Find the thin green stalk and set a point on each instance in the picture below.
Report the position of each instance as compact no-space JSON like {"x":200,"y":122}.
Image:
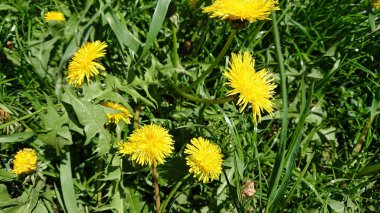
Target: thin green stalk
{"x":216,"y":62}
{"x":175,"y":56}
{"x":202,"y":100}
{"x":136,"y":118}
{"x":236,"y":154}
{"x":254,"y":139}
{"x":119,"y":186}
{"x":7,"y":80}
{"x":279,"y":163}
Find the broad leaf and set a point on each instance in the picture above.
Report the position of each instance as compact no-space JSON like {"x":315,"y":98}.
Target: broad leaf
{"x":93,"y":118}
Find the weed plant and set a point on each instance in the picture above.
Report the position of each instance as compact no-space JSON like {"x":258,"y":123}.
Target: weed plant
{"x":164,"y":63}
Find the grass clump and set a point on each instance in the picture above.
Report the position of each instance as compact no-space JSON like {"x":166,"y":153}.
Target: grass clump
{"x":308,"y":70}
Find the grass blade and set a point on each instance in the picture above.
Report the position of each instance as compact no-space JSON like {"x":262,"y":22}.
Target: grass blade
{"x":290,"y":156}
{"x":122,"y":33}
{"x":157,"y":21}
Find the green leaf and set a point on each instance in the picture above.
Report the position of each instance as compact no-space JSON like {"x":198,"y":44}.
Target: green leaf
{"x":369,"y":169}
{"x":7,"y":176}
{"x":8,"y":8}
{"x":117,"y":203}
{"x":18,"y":137}
{"x":40,"y":208}
{"x":112,"y":175}
{"x":337,"y":206}
{"x":58,"y":133}
{"x":16,"y":209}
{"x":93,"y":118}
{"x":67,"y":184}
{"x":133,"y":199}
{"x":34,"y":195}
{"x":69,"y":51}
{"x":157,"y":21}
{"x":173,"y":170}
{"x":145,"y":86}
{"x":39,"y":57}
{"x":95,"y":91}
{"x":4,"y":196}
{"x":129,"y":89}
{"x":124,"y":36}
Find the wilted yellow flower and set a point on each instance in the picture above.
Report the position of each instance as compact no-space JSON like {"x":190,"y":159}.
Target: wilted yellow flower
{"x":253,"y":87}
{"x":124,"y":113}
{"x":85,"y":64}
{"x":250,"y":10}
{"x":54,"y":16}
{"x":149,"y":145}
{"x":376,"y":4}
{"x":25,"y":161}
{"x":204,"y":159}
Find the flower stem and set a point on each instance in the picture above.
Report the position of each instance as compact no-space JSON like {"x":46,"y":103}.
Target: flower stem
{"x":156,"y":189}
{"x":175,"y":56}
{"x":202,"y":100}
{"x":136,"y":118}
{"x":216,"y":62}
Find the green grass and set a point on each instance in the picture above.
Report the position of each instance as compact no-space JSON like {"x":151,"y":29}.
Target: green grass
{"x":318,"y":153}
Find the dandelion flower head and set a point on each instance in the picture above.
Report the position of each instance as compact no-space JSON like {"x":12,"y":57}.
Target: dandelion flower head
{"x":204,"y":159}
{"x":54,"y":16}
{"x":253,"y":87}
{"x":25,"y":161}
{"x":123,"y":114}
{"x":85,"y":64}
{"x":249,"y":10}
{"x":149,"y":145}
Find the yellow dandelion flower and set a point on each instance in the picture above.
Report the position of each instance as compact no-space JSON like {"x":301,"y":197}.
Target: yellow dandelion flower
{"x":124,"y":113}
{"x":84,"y":63}
{"x":376,"y":4}
{"x":25,"y":161}
{"x":149,"y":145}
{"x":54,"y":16}
{"x":249,"y":10}
{"x":204,"y":159}
{"x":253,"y":87}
